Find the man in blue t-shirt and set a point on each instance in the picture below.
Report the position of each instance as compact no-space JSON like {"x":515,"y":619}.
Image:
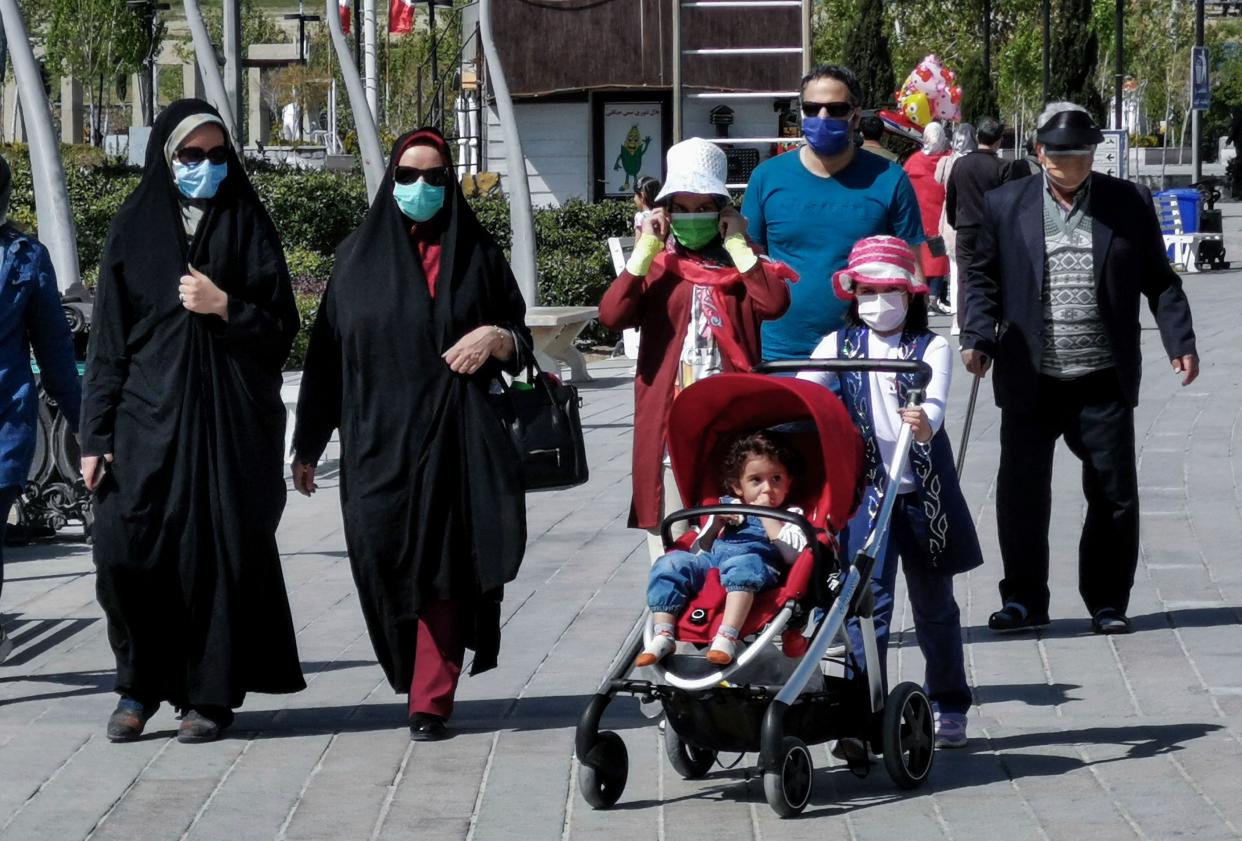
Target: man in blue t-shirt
{"x":808,"y":208}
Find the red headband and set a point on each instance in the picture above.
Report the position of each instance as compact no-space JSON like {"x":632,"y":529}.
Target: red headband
{"x":426,"y":137}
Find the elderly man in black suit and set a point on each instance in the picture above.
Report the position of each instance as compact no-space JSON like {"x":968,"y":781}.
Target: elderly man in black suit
{"x":1053,"y":296}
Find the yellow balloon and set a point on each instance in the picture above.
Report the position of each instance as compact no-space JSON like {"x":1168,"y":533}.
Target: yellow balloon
{"x":917,"y":109}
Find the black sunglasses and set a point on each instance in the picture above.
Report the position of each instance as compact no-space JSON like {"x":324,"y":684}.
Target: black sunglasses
{"x":436,"y":176}
{"x":836,"y":110}
{"x":190,"y":155}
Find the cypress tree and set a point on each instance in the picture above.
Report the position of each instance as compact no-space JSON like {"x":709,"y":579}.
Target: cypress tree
{"x":867,"y":54}
{"x":1075,"y":52}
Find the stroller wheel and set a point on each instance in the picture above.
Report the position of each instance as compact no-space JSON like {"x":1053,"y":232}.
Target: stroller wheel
{"x":603,"y":771}
{"x":687,"y":760}
{"x":909,"y":735}
{"x":788,"y":786}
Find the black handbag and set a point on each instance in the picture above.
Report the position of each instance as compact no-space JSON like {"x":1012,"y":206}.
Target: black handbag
{"x":541,"y":417}
{"x":937,"y":247}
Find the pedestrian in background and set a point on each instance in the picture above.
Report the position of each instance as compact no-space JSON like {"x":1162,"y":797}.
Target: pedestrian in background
{"x":963,"y":142}
{"x":31,"y":319}
{"x":871,"y":128}
{"x":183,"y":435}
{"x":921,"y":168}
{"x":1053,"y":293}
{"x":973,"y":176}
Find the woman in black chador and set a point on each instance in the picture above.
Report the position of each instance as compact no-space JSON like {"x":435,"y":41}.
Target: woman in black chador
{"x":420,"y":316}
{"x":182,"y":431}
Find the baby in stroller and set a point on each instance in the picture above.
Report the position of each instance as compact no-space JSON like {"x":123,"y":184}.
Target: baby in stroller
{"x":748,"y":551}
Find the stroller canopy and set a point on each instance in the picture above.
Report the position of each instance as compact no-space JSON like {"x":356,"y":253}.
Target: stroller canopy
{"x":714,"y":410}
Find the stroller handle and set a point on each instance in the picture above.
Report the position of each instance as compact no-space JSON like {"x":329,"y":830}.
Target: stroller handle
{"x":921,"y":370}
{"x":666,"y":527}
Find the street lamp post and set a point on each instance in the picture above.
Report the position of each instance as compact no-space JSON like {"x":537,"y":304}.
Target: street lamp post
{"x":1047,"y":27}
{"x":1119,"y":73}
{"x":149,"y":11}
{"x":1196,"y":152}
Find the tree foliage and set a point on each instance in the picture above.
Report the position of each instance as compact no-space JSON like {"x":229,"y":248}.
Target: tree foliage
{"x":1075,"y":55}
{"x":866,"y":52}
{"x":95,"y":41}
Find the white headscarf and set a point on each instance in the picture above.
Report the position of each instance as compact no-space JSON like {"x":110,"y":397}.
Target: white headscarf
{"x":935,"y":141}
{"x":192,"y":210}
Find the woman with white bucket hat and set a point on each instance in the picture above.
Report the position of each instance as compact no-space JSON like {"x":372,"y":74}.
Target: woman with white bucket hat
{"x":698,"y":291}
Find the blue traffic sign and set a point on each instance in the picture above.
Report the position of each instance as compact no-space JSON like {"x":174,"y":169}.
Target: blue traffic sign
{"x":1200,"y":79}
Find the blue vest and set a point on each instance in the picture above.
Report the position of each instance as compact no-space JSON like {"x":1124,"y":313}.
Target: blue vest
{"x":953,"y":545}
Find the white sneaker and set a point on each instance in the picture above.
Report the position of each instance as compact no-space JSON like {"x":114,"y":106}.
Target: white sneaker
{"x":722,"y":651}
{"x":950,"y":730}
{"x":6,"y":645}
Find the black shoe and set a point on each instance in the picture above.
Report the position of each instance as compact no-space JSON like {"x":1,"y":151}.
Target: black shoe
{"x":203,"y":725}
{"x":128,"y":719}
{"x":1108,"y":620}
{"x":1014,"y":617}
{"x":425,"y":727}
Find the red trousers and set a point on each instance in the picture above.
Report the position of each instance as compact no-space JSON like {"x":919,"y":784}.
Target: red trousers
{"x":438,"y":656}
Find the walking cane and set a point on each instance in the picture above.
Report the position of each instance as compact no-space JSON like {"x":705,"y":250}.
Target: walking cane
{"x":970,"y":416}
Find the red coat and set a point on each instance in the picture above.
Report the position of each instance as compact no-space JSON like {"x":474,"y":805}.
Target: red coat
{"x":930,"y":193}
{"x":659,"y":305}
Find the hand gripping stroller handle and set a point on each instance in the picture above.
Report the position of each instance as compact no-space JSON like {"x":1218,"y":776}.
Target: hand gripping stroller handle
{"x":666,"y":527}
{"x":921,"y":370}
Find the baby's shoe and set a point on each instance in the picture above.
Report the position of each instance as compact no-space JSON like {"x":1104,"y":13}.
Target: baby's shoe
{"x":722,"y":650}
{"x":661,"y":646}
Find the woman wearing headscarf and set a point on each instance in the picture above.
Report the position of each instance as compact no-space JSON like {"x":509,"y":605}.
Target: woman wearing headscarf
{"x":419,"y":318}
{"x":921,"y":167}
{"x":964,"y":142}
{"x":182,"y":433}
{"x":30,"y":319}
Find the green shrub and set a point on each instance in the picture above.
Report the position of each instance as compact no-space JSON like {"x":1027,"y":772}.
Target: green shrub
{"x":315,"y":210}
{"x":308,"y":307}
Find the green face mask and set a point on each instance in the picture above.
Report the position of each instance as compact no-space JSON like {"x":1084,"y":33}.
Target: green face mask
{"x":695,"y":230}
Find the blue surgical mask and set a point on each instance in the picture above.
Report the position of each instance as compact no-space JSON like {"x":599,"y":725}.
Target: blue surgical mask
{"x":200,"y":180}
{"x":826,"y":135}
{"x":419,"y":201}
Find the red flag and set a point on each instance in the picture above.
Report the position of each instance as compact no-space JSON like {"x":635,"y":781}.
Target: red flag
{"x":400,"y":16}
{"x":342,"y":6}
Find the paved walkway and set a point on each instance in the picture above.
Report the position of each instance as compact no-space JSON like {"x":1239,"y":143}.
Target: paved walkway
{"x":1073,"y":735}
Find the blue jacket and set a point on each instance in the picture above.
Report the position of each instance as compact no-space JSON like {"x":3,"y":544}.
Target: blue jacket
{"x":30,"y":317}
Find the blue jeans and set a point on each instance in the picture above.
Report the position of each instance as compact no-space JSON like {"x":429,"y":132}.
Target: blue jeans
{"x":937,"y":621}
{"x":744,"y":555}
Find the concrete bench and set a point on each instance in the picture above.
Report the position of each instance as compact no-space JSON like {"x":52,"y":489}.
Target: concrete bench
{"x":554,"y":330}
{"x":1185,"y":247}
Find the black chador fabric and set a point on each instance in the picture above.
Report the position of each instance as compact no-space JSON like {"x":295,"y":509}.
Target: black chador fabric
{"x":185,"y":522}
{"x":430,"y":490}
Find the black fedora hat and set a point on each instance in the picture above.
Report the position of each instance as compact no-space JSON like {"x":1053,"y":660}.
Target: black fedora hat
{"x":1070,"y":128}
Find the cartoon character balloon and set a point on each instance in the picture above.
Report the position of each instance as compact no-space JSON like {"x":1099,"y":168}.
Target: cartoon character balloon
{"x":917,"y":108}
{"x":930,"y":91}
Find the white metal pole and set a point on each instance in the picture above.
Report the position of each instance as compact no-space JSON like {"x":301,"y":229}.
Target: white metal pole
{"x":370,"y":65}
{"x":56,"y":229}
{"x":521,"y":217}
{"x":231,"y":33}
{"x":368,"y":139}
{"x":209,"y":69}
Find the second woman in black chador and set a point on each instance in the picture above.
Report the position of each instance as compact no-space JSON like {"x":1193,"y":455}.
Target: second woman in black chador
{"x":182,"y":430}
{"x":420,"y":315}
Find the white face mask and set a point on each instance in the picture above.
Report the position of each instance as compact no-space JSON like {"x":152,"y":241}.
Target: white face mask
{"x":883,"y":312}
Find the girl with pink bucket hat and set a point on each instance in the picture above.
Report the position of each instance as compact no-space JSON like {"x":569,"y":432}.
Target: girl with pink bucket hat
{"x":932,"y":529}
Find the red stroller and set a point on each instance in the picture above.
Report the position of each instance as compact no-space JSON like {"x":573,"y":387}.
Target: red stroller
{"x":785,"y":689}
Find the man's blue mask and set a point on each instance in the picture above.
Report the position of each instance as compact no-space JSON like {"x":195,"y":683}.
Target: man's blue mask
{"x":200,"y":180}
{"x":827,"y":136}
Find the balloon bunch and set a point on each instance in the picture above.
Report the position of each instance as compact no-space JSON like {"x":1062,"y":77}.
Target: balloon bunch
{"x":930,"y":92}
